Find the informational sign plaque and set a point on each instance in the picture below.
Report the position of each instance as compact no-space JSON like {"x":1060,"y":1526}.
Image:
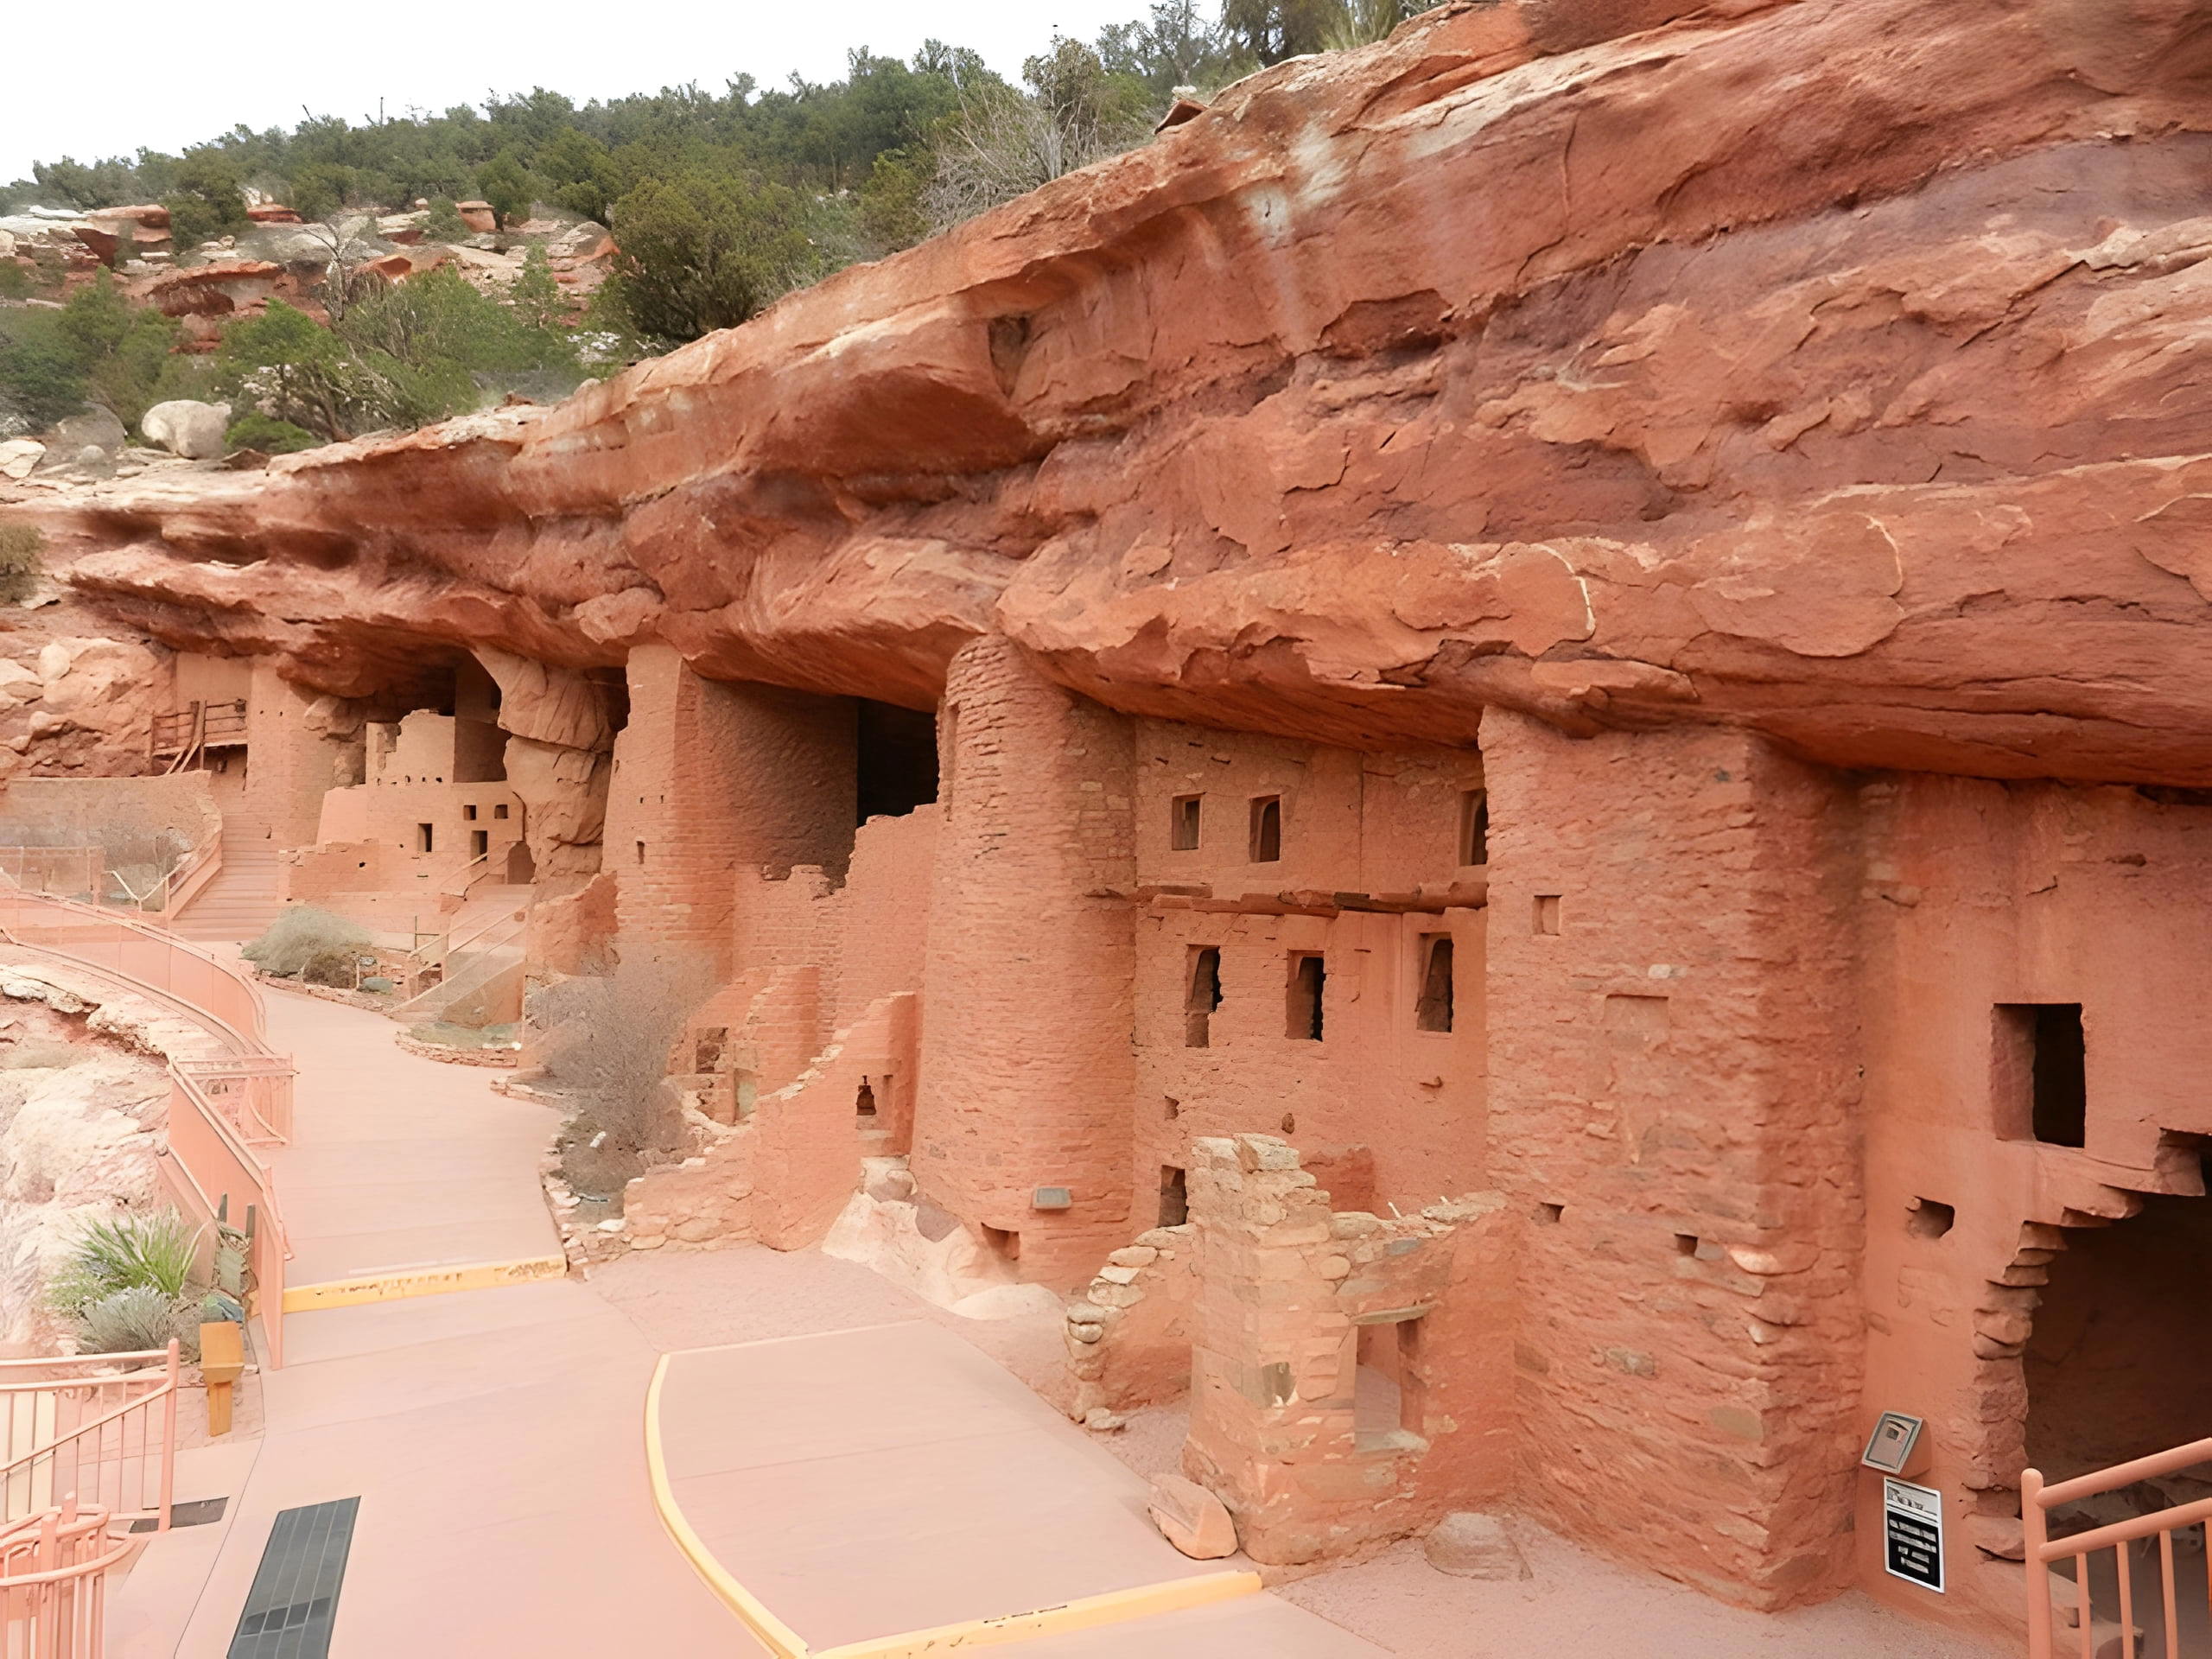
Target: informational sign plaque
{"x":1912,"y":1534}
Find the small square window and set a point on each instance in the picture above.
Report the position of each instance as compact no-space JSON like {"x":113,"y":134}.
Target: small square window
{"x":1546,"y":917}
{"x":1183,"y":823}
{"x":469,"y":811}
{"x":501,"y":810}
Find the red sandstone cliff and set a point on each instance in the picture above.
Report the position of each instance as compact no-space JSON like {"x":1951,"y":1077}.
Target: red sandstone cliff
{"x":1840,"y":368}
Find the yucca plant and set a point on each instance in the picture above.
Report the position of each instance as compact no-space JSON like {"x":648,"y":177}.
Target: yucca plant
{"x":149,"y":1252}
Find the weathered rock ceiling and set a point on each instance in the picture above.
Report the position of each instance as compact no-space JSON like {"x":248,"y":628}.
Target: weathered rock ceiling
{"x":1840,"y":368}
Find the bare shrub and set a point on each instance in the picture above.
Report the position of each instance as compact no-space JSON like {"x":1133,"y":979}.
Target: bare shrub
{"x":608,"y":1044}
{"x":305,"y":942}
{"x":20,"y":564}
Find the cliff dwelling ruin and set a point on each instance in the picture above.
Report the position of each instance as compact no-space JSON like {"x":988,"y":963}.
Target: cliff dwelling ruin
{"x":1500,"y":757}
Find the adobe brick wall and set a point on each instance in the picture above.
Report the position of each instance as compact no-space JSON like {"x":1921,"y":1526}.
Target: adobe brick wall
{"x":1979,"y":893}
{"x":1027,"y":1073}
{"x":1676,"y":1069}
{"x":295,"y":754}
{"x":713,"y":776}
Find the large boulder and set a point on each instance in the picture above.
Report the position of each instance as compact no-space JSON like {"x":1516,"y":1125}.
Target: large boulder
{"x":478,"y":216}
{"x":183,"y":427}
{"x":96,"y":429}
{"x":19,"y":455}
{"x":1468,"y":1545}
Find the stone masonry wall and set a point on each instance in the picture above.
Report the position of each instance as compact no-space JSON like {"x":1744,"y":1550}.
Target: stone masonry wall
{"x":711,"y":776}
{"x":1674,"y":1092}
{"x":1027,"y":1001}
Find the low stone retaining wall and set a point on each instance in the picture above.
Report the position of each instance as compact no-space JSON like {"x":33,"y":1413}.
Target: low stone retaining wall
{"x":451,"y":1056}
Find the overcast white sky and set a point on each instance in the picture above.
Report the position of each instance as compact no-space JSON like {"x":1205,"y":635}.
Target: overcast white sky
{"x":87,"y":81}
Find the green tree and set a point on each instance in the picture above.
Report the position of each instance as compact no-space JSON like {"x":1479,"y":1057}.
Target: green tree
{"x":298,"y":371}
{"x":207,"y":199}
{"x":503,"y":182}
{"x":445,"y":223}
{"x":99,"y":347}
{"x":699,"y":252}
{"x":536,"y":298}
{"x":584,"y":177}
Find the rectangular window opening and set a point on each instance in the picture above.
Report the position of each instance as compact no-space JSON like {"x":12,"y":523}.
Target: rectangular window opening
{"x":501,"y":810}
{"x":1201,"y":995}
{"x":425,"y":837}
{"x":1183,"y":823}
{"x":469,"y":812}
{"x":707,"y":1048}
{"x":1267,"y":829}
{"x":1302,"y":1011}
{"x":2042,"y":1080}
{"x":1550,"y":1215}
{"x":1546,"y":917}
{"x":864,"y":1100}
{"x":1474,"y":827}
{"x":479,"y":843}
{"x":1174,"y":1196}
{"x":1685,"y":1243}
{"x":641,"y":852}
{"x":1433,"y":1011}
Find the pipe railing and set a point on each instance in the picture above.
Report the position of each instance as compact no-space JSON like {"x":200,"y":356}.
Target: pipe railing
{"x":75,"y":1427}
{"x":54,"y":1568}
{"x":2043,"y":1552}
{"x":210,"y":1167}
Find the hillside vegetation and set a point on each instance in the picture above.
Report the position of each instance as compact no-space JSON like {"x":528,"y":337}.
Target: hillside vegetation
{"x":708,"y":205}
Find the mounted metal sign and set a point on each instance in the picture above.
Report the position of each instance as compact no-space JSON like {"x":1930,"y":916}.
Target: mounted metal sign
{"x":1912,"y":1534}
{"x":1895,"y":1447}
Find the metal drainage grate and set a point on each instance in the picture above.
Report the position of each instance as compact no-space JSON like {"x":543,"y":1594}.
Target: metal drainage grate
{"x":193,"y":1512}
{"x":290,"y":1611}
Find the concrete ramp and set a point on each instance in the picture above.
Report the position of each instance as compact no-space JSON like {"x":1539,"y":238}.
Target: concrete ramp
{"x":892,"y":1491}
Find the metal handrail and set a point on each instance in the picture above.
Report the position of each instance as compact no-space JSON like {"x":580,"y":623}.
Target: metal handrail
{"x":88,"y":1450}
{"x":57,"y":1608}
{"x":2038,"y":1500}
{"x":224,"y":1142}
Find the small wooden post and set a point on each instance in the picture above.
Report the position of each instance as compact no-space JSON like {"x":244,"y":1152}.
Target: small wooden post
{"x":222,"y":1362}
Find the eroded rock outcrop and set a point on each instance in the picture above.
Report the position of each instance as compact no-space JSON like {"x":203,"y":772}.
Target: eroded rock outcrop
{"x":1834,"y":368}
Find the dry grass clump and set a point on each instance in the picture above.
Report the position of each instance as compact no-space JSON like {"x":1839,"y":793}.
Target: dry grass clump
{"x":304,"y":943}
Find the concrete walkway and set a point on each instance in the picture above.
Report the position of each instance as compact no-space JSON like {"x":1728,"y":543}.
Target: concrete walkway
{"x":865,"y":1484}
{"x":397,"y":1163}
{"x":496,"y":1437}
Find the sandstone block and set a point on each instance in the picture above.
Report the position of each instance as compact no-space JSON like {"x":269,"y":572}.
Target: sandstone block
{"x":1468,"y":1545}
{"x":1191,"y":1518}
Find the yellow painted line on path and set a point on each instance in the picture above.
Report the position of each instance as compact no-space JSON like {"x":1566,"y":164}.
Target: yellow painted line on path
{"x":1088,"y":1612}
{"x":422,"y":1282}
{"x":781,"y":1639}
{"x":1115,"y":1607}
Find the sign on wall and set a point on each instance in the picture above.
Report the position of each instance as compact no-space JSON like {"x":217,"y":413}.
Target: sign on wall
{"x":1912,"y":1534}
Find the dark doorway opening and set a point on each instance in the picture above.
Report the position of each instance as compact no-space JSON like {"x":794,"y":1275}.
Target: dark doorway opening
{"x":2115,"y":1366}
{"x":1174,"y":1196}
{"x":1433,"y":1011}
{"x":897,"y":759}
{"x":1201,"y":995}
{"x":1302,"y":1012}
{"x":1267,"y":829}
{"x":2042,"y":1080}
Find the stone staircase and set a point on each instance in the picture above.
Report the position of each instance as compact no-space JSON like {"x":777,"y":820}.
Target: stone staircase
{"x":241,"y":901}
